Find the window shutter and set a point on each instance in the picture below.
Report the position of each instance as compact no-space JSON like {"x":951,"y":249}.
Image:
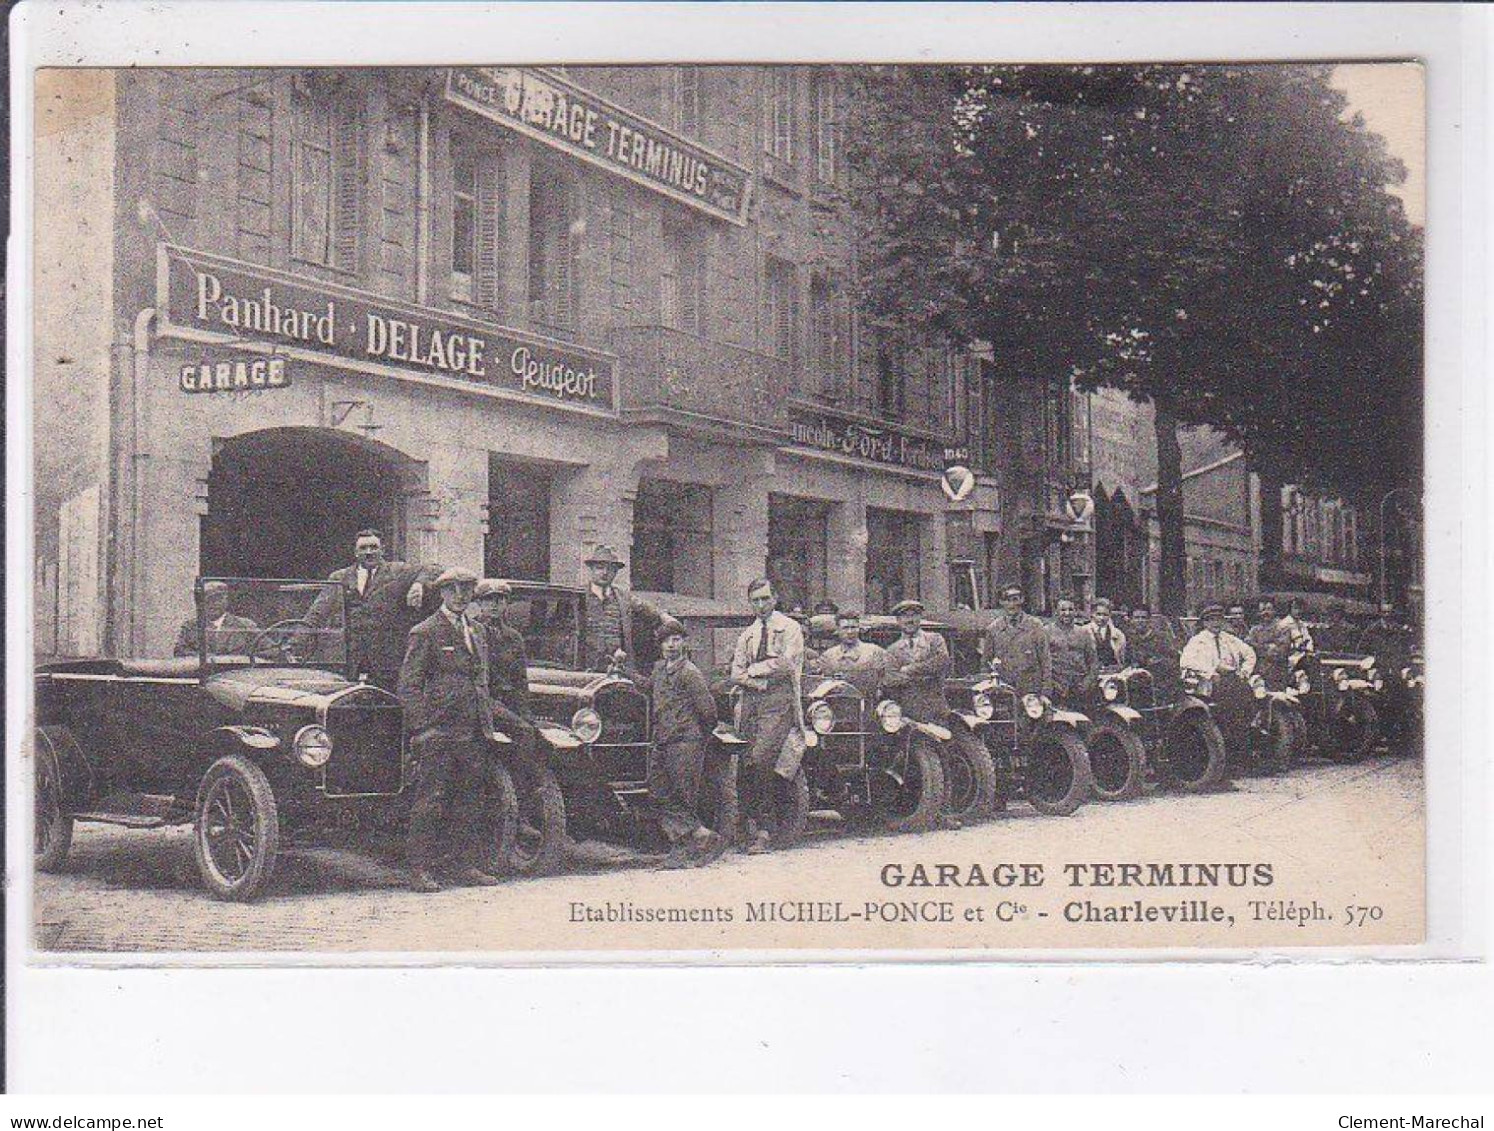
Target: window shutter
{"x":347,"y":166}
{"x":489,"y":228}
{"x":567,"y":262}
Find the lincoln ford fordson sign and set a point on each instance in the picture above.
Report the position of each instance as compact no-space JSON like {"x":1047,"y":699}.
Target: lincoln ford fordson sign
{"x":855,"y":439}
{"x":549,"y":109}
{"x":202,"y":294}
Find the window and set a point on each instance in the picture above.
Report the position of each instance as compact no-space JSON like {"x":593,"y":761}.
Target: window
{"x":782,"y":309}
{"x":826,"y":130}
{"x":892,"y":380}
{"x":683,"y":274}
{"x":327,"y":174}
{"x":672,"y":546}
{"x":463,"y":223}
{"x":893,"y":555}
{"x":798,"y":541}
{"x":554,"y":247}
{"x":778,"y":114}
{"x":683,"y":95}
{"x":829,"y":330}
{"x":518,"y":539}
{"x":621,"y":249}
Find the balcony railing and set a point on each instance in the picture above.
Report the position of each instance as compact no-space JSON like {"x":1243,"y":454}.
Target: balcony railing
{"x":666,"y":368}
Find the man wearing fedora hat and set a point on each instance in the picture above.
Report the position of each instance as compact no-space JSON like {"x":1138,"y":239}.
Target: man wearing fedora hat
{"x":684,"y":715}
{"x":607,"y":624}
{"x":443,"y":684}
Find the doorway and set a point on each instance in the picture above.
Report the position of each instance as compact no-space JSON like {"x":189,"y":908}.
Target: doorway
{"x":289,"y":502}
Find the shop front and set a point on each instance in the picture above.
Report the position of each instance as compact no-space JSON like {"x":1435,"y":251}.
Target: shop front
{"x":277,"y":416}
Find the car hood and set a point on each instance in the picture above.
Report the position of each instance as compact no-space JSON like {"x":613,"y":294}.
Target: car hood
{"x":297,"y":687}
{"x":560,"y":683}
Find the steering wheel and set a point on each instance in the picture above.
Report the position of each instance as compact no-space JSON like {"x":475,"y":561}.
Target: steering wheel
{"x":281,"y":634}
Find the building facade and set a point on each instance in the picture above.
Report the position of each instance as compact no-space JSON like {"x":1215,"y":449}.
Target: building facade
{"x":502,"y":314}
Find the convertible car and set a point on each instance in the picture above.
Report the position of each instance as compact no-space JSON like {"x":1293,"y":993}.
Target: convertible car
{"x":258,"y":738}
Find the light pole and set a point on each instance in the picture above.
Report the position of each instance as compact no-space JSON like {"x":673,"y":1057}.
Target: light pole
{"x":1384,"y":561}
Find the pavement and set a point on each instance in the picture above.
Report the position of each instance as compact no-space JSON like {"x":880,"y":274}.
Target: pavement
{"x":1333,"y":839}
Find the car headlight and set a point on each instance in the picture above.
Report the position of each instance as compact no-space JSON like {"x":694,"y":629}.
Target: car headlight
{"x":1258,"y":687}
{"x":312,"y":746}
{"x":1368,"y":663}
{"x":587,"y":725}
{"x":1304,"y":684}
{"x":984,"y":708}
{"x":1377,"y":682}
{"x":890,"y":716}
{"x":822,"y":717}
{"x":1341,"y":679}
{"x":1032,"y":705}
{"x":1110,"y":689}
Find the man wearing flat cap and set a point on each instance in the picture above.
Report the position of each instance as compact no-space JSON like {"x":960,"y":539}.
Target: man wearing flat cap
{"x":1214,"y":650}
{"x":607,"y":621}
{"x":443,"y":684}
{"x":684,"y":716}
{"x":917,"y":664}
{"x":508,"y":670}
{"x":227,"y":634}
{"x":1018,"y":642}
{"x":1071,"y":648}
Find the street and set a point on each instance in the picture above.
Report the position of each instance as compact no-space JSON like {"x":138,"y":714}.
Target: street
{"x":1333,"y":837}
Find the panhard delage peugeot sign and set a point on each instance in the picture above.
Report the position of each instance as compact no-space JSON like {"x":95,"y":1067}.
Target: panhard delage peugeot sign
{"x":202,"y":294}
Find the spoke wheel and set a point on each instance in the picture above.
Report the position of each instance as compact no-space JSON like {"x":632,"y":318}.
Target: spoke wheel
{"x":1355,"y":731}
{"x":237,"y":834}
{"x":54,"y":825}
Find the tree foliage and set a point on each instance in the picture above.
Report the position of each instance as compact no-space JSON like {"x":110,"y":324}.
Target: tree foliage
{"x":1215,"y":239}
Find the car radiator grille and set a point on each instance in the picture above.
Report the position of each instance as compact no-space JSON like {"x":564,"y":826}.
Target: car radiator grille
{"x":622,"y":748}
{"x":367,"y":748}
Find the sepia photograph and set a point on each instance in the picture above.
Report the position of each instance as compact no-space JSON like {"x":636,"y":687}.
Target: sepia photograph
{"x":727,"y":510}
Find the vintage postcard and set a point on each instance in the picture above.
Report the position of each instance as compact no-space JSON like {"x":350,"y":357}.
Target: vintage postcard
{"x":596,"y":512}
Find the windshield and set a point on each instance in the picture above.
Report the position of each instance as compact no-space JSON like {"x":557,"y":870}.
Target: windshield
{"x":550,"y":624}
{"x":284,"y":623}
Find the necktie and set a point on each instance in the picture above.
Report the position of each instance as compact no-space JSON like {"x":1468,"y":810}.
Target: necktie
{"x":466,"y":633}
{"x":762,"y":644}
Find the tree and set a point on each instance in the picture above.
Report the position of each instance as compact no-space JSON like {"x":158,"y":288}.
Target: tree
{"x":1170,"y":231}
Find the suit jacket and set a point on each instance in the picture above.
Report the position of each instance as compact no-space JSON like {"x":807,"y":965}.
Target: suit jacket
{"x":235,"y":638}
{"x":443,"y":686}
{"x":1026,"y":662}
{"x":917,"y":668}
{"x":1117,"y":643}
{"x":378,"y":620}
{"x":627,"y":605}
{"x":508,"y":667}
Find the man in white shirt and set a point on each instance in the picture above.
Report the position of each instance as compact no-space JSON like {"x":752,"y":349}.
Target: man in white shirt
{"x":767,"y":667}
{"x":1213,"y":651}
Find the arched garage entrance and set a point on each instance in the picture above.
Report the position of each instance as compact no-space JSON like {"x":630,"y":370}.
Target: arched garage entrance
{"x":288,"y":502}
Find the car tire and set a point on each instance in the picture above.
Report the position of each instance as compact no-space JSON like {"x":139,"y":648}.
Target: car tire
{"x":54,"y":824}
{"x":1353,"y":738}
{"x":1275,"y":751}
{"x":915,"y":804}
{"x":1059,"y":780}
{"x":235,"y":799}
{"x":1193,"y":756}
{"x":969,"y":778}
{"x":790,"y":811}
{"x":1117,"y":760}
{"x":530,"y":827}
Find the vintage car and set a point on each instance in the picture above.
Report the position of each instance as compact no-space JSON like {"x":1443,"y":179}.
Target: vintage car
{"x":260,"y":740}
{"x":1337,"y":693}
{"x":1146,"y":730}
{"x":865,"y":761}
{"x":1262,"y":727}
{"x":597,"y":732}
{"x":970,"y":786}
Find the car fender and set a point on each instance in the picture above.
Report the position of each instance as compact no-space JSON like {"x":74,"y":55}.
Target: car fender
{"x":724,"y":734}
{"x":972,"y":722}
{"x":1128,"y":715}
{"x":933,"y":730}
{"x":1073,"y":719}
{"x":256,"y":741}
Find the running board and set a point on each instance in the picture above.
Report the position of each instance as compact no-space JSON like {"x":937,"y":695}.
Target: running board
{"x":136,"y":811}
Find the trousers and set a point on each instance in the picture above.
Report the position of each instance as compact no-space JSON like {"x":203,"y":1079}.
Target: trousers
{"x":450,"y":814}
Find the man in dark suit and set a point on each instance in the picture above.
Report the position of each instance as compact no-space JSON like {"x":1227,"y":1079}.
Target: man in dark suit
{"x":608,"y":613}
{"x":508,"y":668}
{"x":443,"y":684}
{"x":382,"y":600}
